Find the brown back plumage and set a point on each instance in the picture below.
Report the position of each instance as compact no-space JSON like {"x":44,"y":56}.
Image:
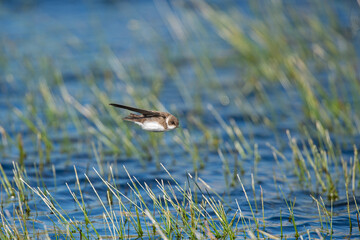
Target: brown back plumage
{"x":141,"y":119}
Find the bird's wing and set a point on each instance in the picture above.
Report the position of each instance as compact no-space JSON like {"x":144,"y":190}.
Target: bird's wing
{"x":142,"y":111}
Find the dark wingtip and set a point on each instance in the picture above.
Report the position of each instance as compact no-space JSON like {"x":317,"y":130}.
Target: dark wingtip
{"x":113,"y":104}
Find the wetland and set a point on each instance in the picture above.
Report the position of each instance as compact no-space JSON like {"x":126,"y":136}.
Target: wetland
{"x":266,"y":92}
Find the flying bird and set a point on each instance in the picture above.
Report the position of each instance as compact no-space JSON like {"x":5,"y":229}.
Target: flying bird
{"x":153,"y":121}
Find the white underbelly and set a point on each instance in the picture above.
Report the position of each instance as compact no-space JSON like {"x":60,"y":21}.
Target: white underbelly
{"x":152,"y":126}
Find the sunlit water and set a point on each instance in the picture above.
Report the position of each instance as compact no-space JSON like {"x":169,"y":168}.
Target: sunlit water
{"x":81,"y":39}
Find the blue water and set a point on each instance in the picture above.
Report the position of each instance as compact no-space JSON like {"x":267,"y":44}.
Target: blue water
{"x":83,"y":40}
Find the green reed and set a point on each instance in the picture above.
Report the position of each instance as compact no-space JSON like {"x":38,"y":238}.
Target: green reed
{"x":266,"y":56}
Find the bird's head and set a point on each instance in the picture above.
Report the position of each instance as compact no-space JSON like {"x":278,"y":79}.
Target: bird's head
{"x":172,"y":122}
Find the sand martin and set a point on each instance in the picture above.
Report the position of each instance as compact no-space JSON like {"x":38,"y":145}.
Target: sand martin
{"x":153,"y":121}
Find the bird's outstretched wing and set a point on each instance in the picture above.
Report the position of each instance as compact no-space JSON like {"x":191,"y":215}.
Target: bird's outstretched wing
{"x":142,"y":111}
